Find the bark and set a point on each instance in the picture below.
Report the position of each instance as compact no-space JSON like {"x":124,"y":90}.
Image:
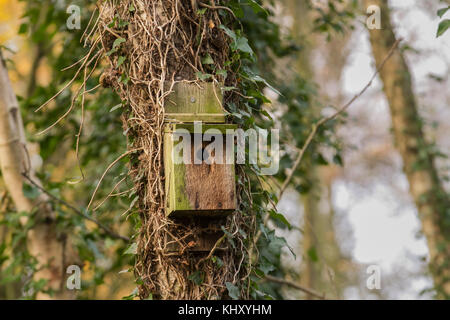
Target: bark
{"x":425,"y":186}
{"x":50,"y":247}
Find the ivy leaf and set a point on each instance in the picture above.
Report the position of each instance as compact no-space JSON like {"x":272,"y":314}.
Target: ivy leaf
{"x":115,"y":107}
{"x":279,"y":217}
{"x":442,"y":11}
{"x":312,"y":254}
{"x":337,"y":159}
{"x":233,"y":291}
{"x":203,"y":76}
{"x":122,"y":24}
{"x":197,"y":277}
{"x":443,"y":26}
{"x":124,"y":78}
{"x":217,"y":261}
{"x":208,"y":59}
{"x":229,"y":32}
{"x":30,"y":192}
{"x":222,"y":73}
{"x":133,"y":295}
{"x":226,"y":89}
{"x":265,"y":266}
{"x":201,"y":12}
{"x":132,"y":250}
{"x":124,"y":271}
{"x":116,"y":46}
{"x":120,"y":61}
{"x":257,"y":7}
{"x":241,"y":44}
{"x":237,"y":9}
{"x":256,"y":78}
{"x":23,"y":29}
{"x":118,"y":42}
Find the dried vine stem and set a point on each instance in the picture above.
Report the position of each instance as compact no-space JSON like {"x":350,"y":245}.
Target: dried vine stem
{"x":164,"y":42}
{"x":106,"y":229}
{"x":148,"y":46}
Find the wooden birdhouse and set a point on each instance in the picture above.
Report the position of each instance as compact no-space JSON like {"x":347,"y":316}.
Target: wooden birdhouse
{"x":198,"y":153}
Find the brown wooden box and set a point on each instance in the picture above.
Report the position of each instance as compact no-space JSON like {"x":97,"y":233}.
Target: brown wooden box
{"x":197,"y":189}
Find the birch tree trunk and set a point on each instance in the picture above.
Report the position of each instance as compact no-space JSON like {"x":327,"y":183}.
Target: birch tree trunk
{"x":425,"y":186}
{"x":44,"y":242}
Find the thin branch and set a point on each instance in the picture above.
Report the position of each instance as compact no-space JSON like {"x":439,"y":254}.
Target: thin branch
{"x":314,"y":130}
{"x":317,"y":125}
{"x":294,"y":285}
{"x":107,"y":230}
{"x":106,"y":171}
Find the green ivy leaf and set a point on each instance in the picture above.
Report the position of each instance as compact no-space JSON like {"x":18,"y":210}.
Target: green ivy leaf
{"x":337,"y":159}
{"x":133,"y":295}
{"x":217,"y":261}
{"x":201,"y":12}
{"x":118,"y":42}
{"x":208,"y":59}
{"x":222,"y":73}
{"x":442,"y":11}
{"x":197,"y":277}
{"x":23,"y":28}
{"x":30,"y":192}
{"x":241,"y":44}
{"x":132,"y":249}
{"x":124,"y":78}
{"x":312,"y":254}
{"x":116,"y":46}
{"x":279,"y":217}
{"x":120,"y":61}
{"x":257,"y":7}
{"x":229,"y":32}
{"x":265,"y":266}
{"x":233,"y":291}
{"x":203,"y":76}
{"x":443,"y":26}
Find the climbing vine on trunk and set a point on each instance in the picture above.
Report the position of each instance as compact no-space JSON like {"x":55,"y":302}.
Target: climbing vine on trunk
{"x":144,"y":48}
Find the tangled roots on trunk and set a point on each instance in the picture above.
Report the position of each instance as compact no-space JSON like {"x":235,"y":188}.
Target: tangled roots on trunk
{"x":150,"y":45}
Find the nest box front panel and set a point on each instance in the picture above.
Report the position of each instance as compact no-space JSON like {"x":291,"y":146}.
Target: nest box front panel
{"x":194,"y":102}
{"x":204,"y":189}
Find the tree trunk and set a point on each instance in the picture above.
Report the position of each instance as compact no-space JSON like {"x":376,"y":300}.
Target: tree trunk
{"x":44,"y":242}
{"x":418,"y":162}
{"x":318,"y":229}
{"x":165,"y":45}
{"x":310,"y":270}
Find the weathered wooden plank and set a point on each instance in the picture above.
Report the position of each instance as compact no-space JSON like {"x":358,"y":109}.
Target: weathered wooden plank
{"x":202,"y":242}
{"x":192,"y":102}
{"x":198,"y":189}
